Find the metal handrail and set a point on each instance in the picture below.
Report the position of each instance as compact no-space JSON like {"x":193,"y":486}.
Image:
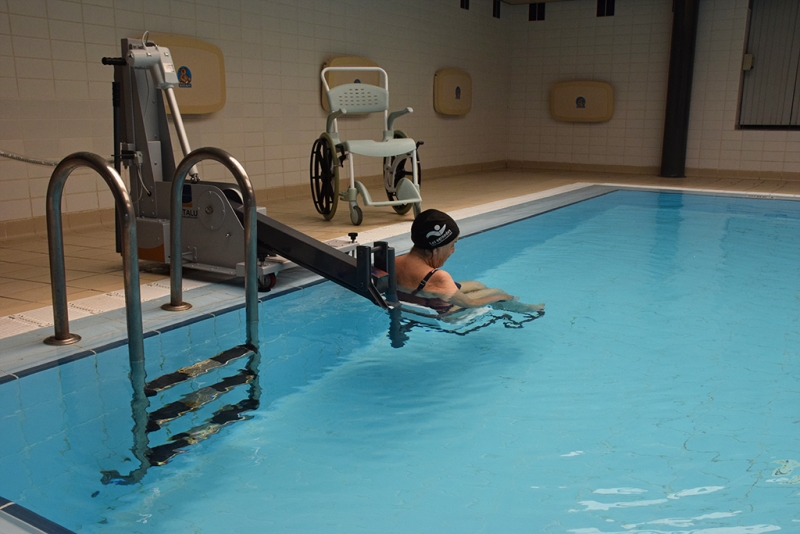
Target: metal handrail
{"x":176,"y":212}
{"x":130,"y":255}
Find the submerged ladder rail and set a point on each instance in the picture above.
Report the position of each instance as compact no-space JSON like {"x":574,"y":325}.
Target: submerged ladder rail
{"x":250,"y":245}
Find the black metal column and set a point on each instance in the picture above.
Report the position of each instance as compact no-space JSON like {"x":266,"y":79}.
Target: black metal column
{"x":679,"y":88}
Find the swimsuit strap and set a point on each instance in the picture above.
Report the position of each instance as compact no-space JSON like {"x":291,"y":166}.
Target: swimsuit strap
{"x":424,"y":281}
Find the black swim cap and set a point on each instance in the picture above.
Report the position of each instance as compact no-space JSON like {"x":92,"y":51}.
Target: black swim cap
{"x":433,"y":229}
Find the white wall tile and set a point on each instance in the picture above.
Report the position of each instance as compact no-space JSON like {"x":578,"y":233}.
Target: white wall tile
{"x":28,"y":47}
{"x":30,"y":89}
{"x":36,"y":8}
{"x":66,"y":11}
{"x":26,"y":26}
{"x":81,"y":201}
{"x":5,"y":25}
{"x":15,"y":209}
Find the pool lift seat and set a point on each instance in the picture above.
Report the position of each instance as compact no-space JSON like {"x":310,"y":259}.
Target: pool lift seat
{"x":329,"y":151}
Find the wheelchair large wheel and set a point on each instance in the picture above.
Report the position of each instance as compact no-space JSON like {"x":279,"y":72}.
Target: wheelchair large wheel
{"x":324,"y":176}
{"x":398,"y":167}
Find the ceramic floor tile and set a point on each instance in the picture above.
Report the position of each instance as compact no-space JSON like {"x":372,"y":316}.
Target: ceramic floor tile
{"x":98,"y":281}
{"x":35,"y":245}
{"x":27,"y":272}
{"x":7,"y":265}
{"x":10,"y":305}
{"x":16,"y":287}
{"x":69,"y":275}
{"x":23,"y":256}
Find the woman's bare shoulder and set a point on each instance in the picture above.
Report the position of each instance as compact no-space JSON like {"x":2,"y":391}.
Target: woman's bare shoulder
{"x":441,"y":282}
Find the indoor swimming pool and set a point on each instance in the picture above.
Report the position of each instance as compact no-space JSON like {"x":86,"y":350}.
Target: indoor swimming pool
{"x":658,"y":394}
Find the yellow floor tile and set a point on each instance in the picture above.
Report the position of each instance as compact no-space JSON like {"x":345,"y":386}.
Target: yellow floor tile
{"x":16,"y":288}
{"x":11,"y":306}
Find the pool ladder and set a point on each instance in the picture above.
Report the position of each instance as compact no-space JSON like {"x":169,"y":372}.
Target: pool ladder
{"x":145,"y":422}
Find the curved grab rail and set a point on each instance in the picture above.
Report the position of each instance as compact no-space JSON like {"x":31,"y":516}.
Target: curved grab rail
{"x":130,"y":255}
{"x":176,"y":269}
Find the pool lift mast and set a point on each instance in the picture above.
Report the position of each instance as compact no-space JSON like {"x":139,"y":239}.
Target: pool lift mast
{"x":212,"y":236}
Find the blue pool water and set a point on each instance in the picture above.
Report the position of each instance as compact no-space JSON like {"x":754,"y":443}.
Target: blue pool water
{"x":658,"y":394}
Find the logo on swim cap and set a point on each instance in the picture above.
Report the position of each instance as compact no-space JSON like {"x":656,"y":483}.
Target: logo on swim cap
{"x":439,"y":234}
{"x":437,"y":231}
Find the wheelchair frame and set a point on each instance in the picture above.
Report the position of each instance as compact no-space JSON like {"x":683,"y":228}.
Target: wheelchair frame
{"x":328,"y":152}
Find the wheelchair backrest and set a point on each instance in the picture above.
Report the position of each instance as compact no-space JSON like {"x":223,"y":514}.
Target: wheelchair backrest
{"x":358,"y":98}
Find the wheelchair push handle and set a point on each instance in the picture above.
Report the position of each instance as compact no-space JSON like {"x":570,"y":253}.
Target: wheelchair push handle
{"x":384,"y":77}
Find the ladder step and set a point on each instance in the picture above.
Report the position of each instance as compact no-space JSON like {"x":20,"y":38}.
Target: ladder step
{"x":196,"y":399}
{"x":182,"y":375}
{"x":161,"y":454}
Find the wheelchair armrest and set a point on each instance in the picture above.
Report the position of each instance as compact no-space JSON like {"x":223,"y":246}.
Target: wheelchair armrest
{"x":332,"y":117}
{"x":394,"y":115}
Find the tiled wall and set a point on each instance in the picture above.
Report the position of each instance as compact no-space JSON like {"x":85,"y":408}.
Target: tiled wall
{"x":55,"y":94}
{"x":631,"y":51}
{"x":714,"y":142}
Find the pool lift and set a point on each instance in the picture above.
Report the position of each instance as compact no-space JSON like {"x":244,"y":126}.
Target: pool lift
{"x":195,"y":225}
{"x":212,"y":212}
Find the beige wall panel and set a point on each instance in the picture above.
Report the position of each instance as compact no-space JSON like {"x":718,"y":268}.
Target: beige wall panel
{"x":201,"y":73}
{"x":452,"y":92}
{"x":582,"y":101}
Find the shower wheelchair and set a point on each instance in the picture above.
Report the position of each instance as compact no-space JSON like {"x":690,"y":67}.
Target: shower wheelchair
{"x":329,"y":152}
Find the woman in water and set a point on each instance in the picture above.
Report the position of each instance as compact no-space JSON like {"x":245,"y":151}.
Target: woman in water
{"x":421,"y":280}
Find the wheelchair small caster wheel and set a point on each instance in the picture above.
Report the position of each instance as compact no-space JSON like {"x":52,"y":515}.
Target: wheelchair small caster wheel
{"x":356,"y":215}
{"x":267,"y":282}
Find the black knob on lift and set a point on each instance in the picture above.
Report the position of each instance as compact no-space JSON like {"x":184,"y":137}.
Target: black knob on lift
{"x":353,"y":236}
{"x":114,"y":61}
